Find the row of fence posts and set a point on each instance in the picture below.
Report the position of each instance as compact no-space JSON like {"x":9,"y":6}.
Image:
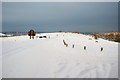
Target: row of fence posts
{"x":74,"y":45}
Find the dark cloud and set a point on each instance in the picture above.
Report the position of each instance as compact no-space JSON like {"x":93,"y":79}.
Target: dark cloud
{"x":55,"y":16}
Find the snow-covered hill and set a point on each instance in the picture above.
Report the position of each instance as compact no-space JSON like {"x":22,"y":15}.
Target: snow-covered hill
{"x":1,"y":34}
{"x":50,"y":58}
{"x":1,"y":56}
{"x":5,"y":35}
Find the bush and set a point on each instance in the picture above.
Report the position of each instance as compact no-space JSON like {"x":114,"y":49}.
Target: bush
{"x":95,"y":36}
{"x":117,"y":38}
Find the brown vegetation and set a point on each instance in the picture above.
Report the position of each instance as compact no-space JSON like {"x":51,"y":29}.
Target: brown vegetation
{"x":111,"y":36}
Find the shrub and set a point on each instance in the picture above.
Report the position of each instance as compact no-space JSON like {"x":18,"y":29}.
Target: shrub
{"x":95,"y":36}
{"x":117,"y":38}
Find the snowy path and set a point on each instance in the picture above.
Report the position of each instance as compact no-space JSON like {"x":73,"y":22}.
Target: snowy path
{"x":49,"y":58}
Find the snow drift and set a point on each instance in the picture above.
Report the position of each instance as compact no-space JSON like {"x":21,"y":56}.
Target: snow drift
{"x":1,"y":34}
{"x":1,"y":56}
{"x":50,"y":58}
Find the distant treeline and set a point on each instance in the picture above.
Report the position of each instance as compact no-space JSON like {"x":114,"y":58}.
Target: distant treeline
{"x":14,"y":33}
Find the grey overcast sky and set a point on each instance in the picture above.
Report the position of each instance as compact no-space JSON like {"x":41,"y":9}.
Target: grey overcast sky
{"x":56,"y":16}
{"x":60,"y":0}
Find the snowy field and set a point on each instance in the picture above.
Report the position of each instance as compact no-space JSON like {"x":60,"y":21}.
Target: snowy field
{"x":0,"y":58}
{"x":50,"y":58}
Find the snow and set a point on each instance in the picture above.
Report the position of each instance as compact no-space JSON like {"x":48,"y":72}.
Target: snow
{"x":1,"y":34}
{"x":0,"y":58}
{"x":5,"y":35}
{"x":50,"y":58}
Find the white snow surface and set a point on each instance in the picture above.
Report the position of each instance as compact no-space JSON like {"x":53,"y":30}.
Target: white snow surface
{"x":50,"y":58}
{"x":0,"y":58}
{"x":1,"y":34}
